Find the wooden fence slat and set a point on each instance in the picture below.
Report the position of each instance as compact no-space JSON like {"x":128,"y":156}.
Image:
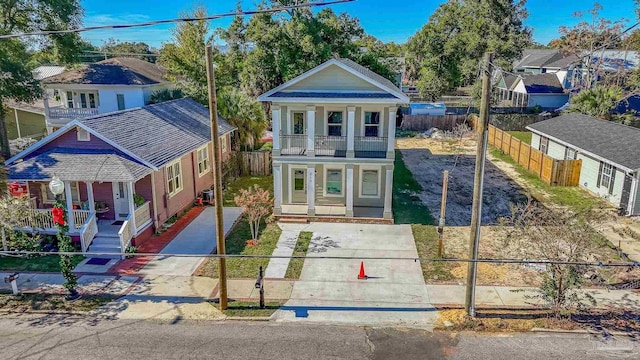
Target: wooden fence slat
{"x":255,"y":163}
{"x":426,"y":122}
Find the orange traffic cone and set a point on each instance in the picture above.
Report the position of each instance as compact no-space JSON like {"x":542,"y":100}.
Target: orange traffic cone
{"x":362,"y":275}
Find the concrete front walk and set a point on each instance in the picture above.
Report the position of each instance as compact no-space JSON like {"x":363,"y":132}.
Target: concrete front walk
{"x":329,"y":291}
{"x":504,"y":296}
{"x":277,"y":268}
{"x":198,"y":238}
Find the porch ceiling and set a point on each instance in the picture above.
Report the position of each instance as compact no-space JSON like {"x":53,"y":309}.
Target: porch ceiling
{"x":79,"y":165}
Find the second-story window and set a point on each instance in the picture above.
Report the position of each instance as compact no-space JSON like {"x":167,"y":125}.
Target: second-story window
{"x":371,"y":123}
{"x":120,"y":98}
{"x":92,"y":101}
{"x":298,"y":123}
{"x":203,"y":160}
{"x":69,"y":100}
{"x":334,"y":123}
{"x":83,"y":100}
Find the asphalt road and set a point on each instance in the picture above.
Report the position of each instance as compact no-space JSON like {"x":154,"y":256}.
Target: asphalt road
{"x":71,"y":337}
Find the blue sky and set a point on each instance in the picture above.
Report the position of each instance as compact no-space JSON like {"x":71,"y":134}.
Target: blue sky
{"x":386,"y":19}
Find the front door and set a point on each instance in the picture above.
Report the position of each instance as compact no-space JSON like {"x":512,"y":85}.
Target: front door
{"x":299,"y":193}
{"x":626,"y":193}
{"x":120,"y":200}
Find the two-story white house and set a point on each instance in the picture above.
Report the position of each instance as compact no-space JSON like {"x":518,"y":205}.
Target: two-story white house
{"x":97,"y":88}
{"x":333,"y":142}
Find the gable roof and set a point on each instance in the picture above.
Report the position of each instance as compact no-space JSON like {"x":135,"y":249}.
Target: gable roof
{"x":537,"y":58}
{"x":45,"y":71}
{"x":153,"y":135}
{"x":547,"y":83}
{"x":564,"y":62}
{"x":114,"y":71}
{"x":614,"y":142}
{"x":384,"y":84}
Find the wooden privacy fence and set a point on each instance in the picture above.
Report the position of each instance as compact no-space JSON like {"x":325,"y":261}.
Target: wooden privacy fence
{"x":551,"y":171}
{"x":255,"y":163}
{"x":426,"y":122}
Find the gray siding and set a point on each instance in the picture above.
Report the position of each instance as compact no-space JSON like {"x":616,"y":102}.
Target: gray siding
{"x":368,"y":202}
{"x":535,"y":141}
{"x":333,"y":78}
{"x":556,"y":150}
{"x":283,"y":120}
{"x":589,"y":180}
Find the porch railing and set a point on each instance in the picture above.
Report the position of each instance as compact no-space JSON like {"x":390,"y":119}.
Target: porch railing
{"x":369,"y":146}
{"x":330,"y":146}
{"x":293,"y":144}
{"x":80,"y":217}
{"x":142,"y":214}
{"x":63,"y":113}
{"x":42,"y":219}
{"x":125,"y":234}
{"x":88,"y":231}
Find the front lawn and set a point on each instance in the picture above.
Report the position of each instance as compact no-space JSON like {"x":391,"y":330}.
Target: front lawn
{"x":302,"y":245}
{"x":52,"y":302}
{"x":524,"y":136}
{"x":236,"y":244}
{"x":48,"y":263}
{"x":250,"y":309}
{"x":245,"y":182}
{"x":426,"y":238}
{"x":407,"y":206}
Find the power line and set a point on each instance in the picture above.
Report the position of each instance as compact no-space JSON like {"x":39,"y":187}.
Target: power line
{"x":177,"y":20}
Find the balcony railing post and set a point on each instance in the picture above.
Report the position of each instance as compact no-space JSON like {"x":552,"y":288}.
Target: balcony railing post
{"x":391,"y":144}
{"x":351,"y":120}
{"x":311,"y":124}
{"x":275,"y":119}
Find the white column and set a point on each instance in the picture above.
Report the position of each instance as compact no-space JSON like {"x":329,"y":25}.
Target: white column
{"x":351,"y":128}
{"x":132,"y":207}
{"x":388,"y":191}
{"x":311,"y":130}
{"x":391,"y":140}
{"x":69,"y":201}
{"x":311,"y":190}
{"x":349,"y":212}
{"x":15,"y":112}
{"x":277,"y":189}
{"x":275,"y":126}
{"x":90,"y":198}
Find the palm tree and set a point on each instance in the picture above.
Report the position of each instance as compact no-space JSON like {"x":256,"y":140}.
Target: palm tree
{"x":243,"y":112}
{"x":597,"y":102}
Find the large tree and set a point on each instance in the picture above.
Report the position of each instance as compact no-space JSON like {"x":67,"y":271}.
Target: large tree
{"x":445,"y":53}
{"x":245,"y":113}
{"x":143,"y":51}
{"x":18,"y":16}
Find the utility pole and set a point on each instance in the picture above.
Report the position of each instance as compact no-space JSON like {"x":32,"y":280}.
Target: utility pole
{"x":217,"y":180}
{"x":443,"y":210}
{"x":478,"y":180}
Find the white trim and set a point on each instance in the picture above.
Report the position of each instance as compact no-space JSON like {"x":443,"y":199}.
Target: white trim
{"x":291,"y":187}
{"x":635,"y":186}
{"x":326,"y":168}
{"x":402,"y":98}
{"x":81,"y":131}
{"x":360,"y":181}
{"x":386,"y":101}
{"x":327,"y":110}
{"x":364,"y":110}
{"x":208,"y":169}
{"x":580,"y":150}
{"x":44,"y":195}
{"x":178,"y":189}
{"x":305,"y":123}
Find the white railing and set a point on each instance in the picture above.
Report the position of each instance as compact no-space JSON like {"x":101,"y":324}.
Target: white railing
{"x":125,"y":234}
{"x":142,"y":215}
{"x":80,"y":217}
{"x":88,"y":231}
{"x":41,"y":219}
{"x":63,"y":113}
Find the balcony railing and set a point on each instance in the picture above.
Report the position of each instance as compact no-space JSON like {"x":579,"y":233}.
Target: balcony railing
{"x":370,"y":147}
{"x":73,"y":113}
{"x":335,"y":146}
{"x":293,"y":144}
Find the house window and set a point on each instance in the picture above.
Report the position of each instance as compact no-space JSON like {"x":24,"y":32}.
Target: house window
{"x":333,"y":184}
{"x":544,"y":144}
{"x":49,"y":198}
{"x":334,"y":123}
{"x":174,"y":178}
{"x":69,"y":100}
{"x":570,"y":154}
{"x":92,"y":101}
{"x":371,"y":123}
{"x":298,"y":123}
{"x":606,"y":177}
{"x":120,"y":98}
{"x":203,"y":160}
{"x":370,"y":183}
{"x":83,"y":135}
{"x":223,"y":144}
{"x":83,"y":100}
{"x":298,"y":180}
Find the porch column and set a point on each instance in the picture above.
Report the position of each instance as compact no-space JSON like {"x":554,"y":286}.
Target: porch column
{"x":311,"y":190}
{"x":277,"y":189}
{"x":311,"y":130}
{"x":391,"y":140}
{"x":69,"y":200}
{"x":275,"y":127}
{"x":351,"y":130}
{"x":388,"y":191}
{"x":92,"y":204}
{"x":15,"y":112}
{"x":349,"y":212}
{"x":132,"y":208}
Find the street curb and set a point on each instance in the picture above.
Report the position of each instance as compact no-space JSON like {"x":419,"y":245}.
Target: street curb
{"x":579,"y":331}
{"x":248,"y":318}
{"x":45,"y":312}
{"x":487,"y":307}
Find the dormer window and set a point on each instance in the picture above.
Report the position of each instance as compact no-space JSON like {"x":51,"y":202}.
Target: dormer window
{"x":83,"y":135}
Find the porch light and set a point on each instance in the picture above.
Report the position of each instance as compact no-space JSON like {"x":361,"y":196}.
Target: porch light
{"x":56,"y":186}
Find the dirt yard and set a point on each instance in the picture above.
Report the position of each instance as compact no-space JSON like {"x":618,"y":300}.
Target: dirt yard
{"x":428,"y":158}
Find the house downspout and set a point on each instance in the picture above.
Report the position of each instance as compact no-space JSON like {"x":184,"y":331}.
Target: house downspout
{"x":155,"y":201}
{"x":634,"y":192}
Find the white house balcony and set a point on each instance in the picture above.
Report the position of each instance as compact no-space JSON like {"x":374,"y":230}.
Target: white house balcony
{"x":71,"y":113}
{"x":334,"y":146}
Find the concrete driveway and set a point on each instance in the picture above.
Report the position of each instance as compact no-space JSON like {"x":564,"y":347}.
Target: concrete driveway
{"x":329,"y":290}
{"x":199,"y":237}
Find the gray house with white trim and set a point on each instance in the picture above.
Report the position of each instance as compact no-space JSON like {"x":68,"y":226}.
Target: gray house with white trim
{"x":610,"y":155}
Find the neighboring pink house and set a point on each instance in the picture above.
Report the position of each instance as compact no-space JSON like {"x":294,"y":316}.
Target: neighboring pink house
{"x":162,"y":153}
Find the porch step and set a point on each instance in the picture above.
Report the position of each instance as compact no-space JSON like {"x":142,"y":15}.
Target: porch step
{"x":105,"y":245}
{"x":108,"y":234}
{"x":294,"y":220}
{"x":106,"y":241}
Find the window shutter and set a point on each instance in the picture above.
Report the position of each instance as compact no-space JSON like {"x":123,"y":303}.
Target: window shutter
{"x":599,"y":174}
{"x":613,"y":180}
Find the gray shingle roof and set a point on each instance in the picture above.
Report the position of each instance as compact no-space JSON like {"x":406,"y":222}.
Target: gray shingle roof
{"x":537,"y":58}
{"x":618,"y":143}
{"x":368,"y":73}
{"x":115,"y":71}
{"x":564,"y":62}
{"x":542,"y":83}
{"x":337,"y":95}
{"x":161,"y":132}
{"x":79,"y":165}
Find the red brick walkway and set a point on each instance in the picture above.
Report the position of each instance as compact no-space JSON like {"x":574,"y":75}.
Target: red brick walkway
{"x":155,"y":244}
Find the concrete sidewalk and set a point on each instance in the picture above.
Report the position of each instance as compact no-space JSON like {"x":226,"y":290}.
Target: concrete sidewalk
{"x":277,"y":268}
